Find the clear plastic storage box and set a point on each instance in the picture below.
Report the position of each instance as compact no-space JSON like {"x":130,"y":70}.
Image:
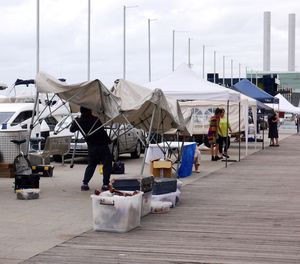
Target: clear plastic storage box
{"x":146,"y":203}
{"x":116,"y":213}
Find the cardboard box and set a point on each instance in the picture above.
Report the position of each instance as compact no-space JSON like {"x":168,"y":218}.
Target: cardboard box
{"x":161,"y":168}
{"x":7,"y":170}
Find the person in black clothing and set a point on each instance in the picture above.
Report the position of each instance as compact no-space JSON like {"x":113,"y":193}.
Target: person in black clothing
{"x":98,"y":149}
{"x":273,"y":130}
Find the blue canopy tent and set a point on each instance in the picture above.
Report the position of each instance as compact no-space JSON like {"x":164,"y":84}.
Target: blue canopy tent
{"x":248,"y":88}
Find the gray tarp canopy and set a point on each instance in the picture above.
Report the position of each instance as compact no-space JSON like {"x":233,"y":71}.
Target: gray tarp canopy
{"x":93,"y":94}
{"x":138,"y":104}
{"x":128,"y":102}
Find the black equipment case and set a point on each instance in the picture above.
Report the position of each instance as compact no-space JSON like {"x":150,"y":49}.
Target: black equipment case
{"x":164,"y":185}
{"x":43,"y":170}
{"x":141,"y":183}
{"x":31,"y":181}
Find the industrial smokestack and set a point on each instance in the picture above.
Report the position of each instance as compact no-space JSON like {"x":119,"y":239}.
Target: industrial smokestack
{"x":291,"y":42}
{"x":267,"y":41}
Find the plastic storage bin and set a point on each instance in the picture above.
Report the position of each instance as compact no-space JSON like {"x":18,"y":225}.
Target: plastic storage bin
{"x":146,"y":203}
{"x":173,"y":197}
{"x":116,"y":213}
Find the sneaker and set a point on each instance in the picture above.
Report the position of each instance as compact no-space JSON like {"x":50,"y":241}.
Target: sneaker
{"x":225,"y":155}
{"x":84,"y":187}
{"x":104,"y":188}
{"x":217,"y":158}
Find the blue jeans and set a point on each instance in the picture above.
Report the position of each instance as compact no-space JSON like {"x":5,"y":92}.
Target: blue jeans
{"x":97,"y":154}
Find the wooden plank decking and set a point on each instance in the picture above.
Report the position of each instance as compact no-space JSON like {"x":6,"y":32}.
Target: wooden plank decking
{"x":246,"y":213}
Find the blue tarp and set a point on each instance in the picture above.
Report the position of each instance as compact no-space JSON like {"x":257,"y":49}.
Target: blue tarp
{"x":248,"y":88}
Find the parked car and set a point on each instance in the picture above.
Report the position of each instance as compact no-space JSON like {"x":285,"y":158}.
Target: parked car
{"x":125,"y":139}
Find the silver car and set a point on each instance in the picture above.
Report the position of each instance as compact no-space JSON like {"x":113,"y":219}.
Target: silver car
{"x":125,"y":139}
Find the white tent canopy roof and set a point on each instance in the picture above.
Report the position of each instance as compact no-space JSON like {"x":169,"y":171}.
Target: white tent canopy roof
{"x":184,"y":84}
{"x":284,"y":105}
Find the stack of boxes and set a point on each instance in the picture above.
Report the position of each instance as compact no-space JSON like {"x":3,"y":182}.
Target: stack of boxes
{"x":165,"y":184}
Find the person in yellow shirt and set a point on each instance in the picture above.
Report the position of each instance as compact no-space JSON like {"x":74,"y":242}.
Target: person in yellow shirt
{"x":223,"y":137}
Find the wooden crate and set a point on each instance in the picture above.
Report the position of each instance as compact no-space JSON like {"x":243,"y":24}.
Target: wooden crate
{"x":7,"y":170}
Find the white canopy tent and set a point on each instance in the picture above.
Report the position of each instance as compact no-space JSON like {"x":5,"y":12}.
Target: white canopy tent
{"x":198,"y":112}
{"x":186,"y":85}
{"x":284,"y":105}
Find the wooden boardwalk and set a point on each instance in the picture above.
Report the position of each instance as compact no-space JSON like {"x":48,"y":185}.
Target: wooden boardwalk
{"x":246,"y":213}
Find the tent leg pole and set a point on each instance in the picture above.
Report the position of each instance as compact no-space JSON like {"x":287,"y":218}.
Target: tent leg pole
{"x":147,"y":141}
{"x":240,"y":131}
{"x":74,"y":150}
{"x":36,"y":101}
{"x":227,"y":128}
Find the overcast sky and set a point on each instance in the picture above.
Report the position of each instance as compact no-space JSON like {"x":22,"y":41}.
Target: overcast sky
{"x":232,"y":28}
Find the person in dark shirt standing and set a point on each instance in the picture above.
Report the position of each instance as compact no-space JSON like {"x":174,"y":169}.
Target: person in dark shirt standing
{"x":273,"y":121}
{"x":98,"y":149}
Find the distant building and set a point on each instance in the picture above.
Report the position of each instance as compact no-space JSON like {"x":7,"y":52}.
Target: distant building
{"x":288,"y":84}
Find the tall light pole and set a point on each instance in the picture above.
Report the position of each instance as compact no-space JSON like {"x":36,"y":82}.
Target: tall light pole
{"x":89,"y":42}
{"x":173,"y":50}
{"x":189,"y":53}
{"x":215,"y":66}
{"x":173,"y":47}
{"x":149,"y":46}
{"x":246,"y":71}
{"x":203,"y":61}
{"x":124,"y":38}
{"x":239,"y":71}
{"x":223,"y":70}
{"x":256,"y":81}
{"x":231,"y":72}
{"x":37,"y":36}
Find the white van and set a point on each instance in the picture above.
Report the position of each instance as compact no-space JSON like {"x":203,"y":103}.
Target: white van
{"x":19,"y":115}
